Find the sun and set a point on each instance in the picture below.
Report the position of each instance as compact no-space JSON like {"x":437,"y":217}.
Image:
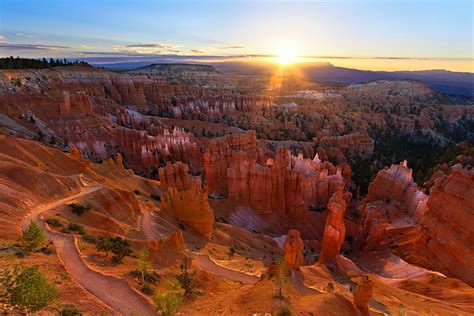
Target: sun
{"x":285,"y":56}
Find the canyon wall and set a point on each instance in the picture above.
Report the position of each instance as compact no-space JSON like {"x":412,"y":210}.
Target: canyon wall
{"x":446,"y":239}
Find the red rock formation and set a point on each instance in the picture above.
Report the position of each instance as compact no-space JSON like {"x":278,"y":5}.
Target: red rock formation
{"x":75,"y":152}
{"x":177,"y":240}
{"x":176,"y":176}
{"x":286,"y":185}
{"x":335,"y":230}
{"x":224,"y":153}
{"x":293,"y":248}
{"x":144,"y":152}
{"x":190,"y":207}
{"x":446,"y":236}
{"x":75,"y":103}
{"x":119,"y":160}
{"x":397,"y":184}
{"x":395,"y":206}
{"x":363,"y":294}
{"x":352,"y":144}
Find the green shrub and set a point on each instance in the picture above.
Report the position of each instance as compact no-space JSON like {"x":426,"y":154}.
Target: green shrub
{"x":167,"y":303}
{"x":118,"y":246}
{"x":89,"y":239}
{"x":47,"y":250}
{"x":76,"y":228}
{"x":186,"y":277}
{"x":283,"y":311}
{"x":69,"y":310}
{"x":33,"y":237}
{"x":150,"y":277}
{"x":79,"y":209}
{"x":65,"y":230}
{"x":330,"y":287}
{"x":54,"y":222}
{"x":144,"y":264}
{"x":26,"y":287}
{"x":147,"y":289}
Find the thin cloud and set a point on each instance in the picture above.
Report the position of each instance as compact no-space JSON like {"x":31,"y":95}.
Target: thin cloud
{"x":23,"y":35}
{"x":164,"y":46}
{"x":230,"y":47}
{"x":14,"y":46}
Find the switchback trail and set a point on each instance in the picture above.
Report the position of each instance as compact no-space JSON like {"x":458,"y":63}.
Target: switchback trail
{"x":114,"y":292}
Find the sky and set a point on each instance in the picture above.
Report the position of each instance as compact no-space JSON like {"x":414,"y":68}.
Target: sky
{"x":376,"y":35}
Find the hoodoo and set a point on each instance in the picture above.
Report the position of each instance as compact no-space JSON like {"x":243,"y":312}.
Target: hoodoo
{"x":293,"y":249}
{"x":335,"y":230}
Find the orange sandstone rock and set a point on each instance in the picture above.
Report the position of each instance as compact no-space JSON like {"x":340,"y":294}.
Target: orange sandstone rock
{"x":363,"y":294}
{"x":293,"y":248}
{"x":190,"y":207}
{"x":120,"y":161}
{"x":75,"y":153}
{"x":175,"y":175}
{"x":446,"y":238}
{"x":395,"y":206}
{"x":335,"y":230}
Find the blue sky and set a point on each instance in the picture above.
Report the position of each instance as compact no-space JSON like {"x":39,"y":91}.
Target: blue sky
{"x":405,"y":29}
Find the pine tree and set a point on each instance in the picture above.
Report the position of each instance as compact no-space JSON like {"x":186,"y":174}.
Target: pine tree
{"x":144,"y":264}
{"x":33,"y":237}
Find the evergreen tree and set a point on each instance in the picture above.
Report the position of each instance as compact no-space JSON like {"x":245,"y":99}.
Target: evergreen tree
{"x":26,"y":287}
{"x":33,"y":237}
{"x":144,"y":264}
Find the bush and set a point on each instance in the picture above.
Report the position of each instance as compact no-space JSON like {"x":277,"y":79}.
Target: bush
{"x":89,"y":239}
{"x":137,"y":192}
{"x":330,"y":287}
{"x":69,"y":310}
{"x":150,"y":277}
{"x":47,"y":250}
{"x":65,"y":230}
{"x":167,"y":303}
{"x":186,"y":277}
{"x":147,"y":289}
{"x":283,"y":311}
{"x":181,"y":226}
{"x":79,"y":209}
{"x":144,"y":264}
{"x":76,"y":228}
{"x":26,"y":287}
{"x":54,"y":222}
{"x":33,"y":237}
{"x":118,"y":246}
{"x":155,"y":197}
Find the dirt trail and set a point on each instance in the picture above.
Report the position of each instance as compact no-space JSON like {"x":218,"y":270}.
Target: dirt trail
{"x":205,"y":263}
{"x":113,"y":291}
{"x":42,"y":208}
